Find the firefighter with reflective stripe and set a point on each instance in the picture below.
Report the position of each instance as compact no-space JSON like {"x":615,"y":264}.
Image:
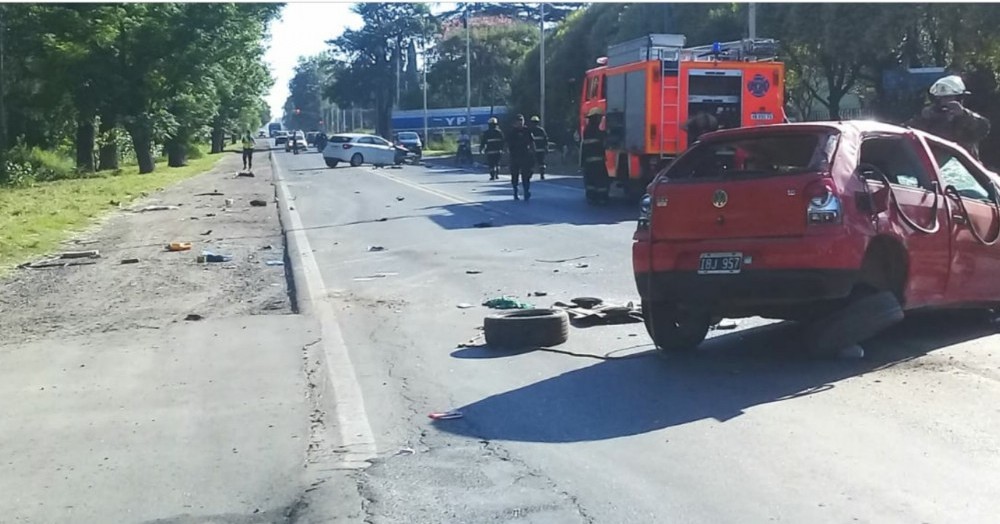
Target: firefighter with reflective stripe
{"x":595,"y":172}
{"x":541,"y":144}
{"x":521,"y":145}
{"x":248,"y":146}
{"x":492,"y":142}
{"x":947,"y":118}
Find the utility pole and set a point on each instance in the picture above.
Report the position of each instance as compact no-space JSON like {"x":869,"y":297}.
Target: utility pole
{"x":3,"y":94}
{"x":753,"y":20}
{"x":426,"y":139}
{"x":468,"y":74}
{"x":541,"y":62}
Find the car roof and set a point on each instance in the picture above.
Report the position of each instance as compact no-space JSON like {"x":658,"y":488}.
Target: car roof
{"x":850,"y":126}
{"x":356,"y":135}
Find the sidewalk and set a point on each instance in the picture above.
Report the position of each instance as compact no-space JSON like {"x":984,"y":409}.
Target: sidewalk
{"x":117,"y":409}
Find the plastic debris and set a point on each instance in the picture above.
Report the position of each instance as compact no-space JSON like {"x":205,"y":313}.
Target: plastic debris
{"x":446,"y":415}
{"x":464,"y":305}
{"x":539,"y":293}
{"x":229,"y":203}
{"x":193,"y":317}
{"x":400,"y":199}
{"x":209,"y":257}
{"x":582,"y":266}
{"x":507,"y":303}
{"x":375,"y":248}
{"x":130,"y":261}
{"x":275,"y":262}
{"x":208,"y":232}
{"x":472,"y":272}
{"x":258,"y":203}
{"x":178,"y":246}
{"x":727,"y":324}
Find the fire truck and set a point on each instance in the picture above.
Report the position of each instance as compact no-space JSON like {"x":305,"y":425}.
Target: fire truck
{"x":648,"y":87}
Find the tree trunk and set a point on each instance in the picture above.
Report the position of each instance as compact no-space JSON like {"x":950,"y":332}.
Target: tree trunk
{"x":218,"y":140}
{"x":108,"y":155}
{"x":142,"y":142}
{"x":177,"y":153}
{"x":85,"y":140}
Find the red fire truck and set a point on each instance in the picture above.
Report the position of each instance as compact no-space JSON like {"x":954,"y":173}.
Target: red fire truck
{"x":648,"y":87}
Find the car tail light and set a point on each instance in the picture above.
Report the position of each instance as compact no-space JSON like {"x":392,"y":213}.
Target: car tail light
{"x":347,"y":146}
{"x":824,"y":204}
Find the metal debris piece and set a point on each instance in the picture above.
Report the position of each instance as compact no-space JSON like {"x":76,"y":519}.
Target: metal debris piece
{"x":130,"y":261}
{"x":375,"y":248}
{"x":193,"y":317}
{"x":258,"y":203}
{"x":80,"y":254}
{"x":446,"y":415}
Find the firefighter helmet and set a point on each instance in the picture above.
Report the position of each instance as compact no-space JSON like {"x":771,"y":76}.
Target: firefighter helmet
{"x":536,"y":119}
{"x":492,"y":121}
{"x":594,"y":111}
{"x":949,"y":86}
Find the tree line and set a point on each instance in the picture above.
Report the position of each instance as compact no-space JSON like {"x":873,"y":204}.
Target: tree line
{"x":101,"y":79}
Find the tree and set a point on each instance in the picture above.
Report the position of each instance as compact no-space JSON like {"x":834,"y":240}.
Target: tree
{"x":303,"y":109}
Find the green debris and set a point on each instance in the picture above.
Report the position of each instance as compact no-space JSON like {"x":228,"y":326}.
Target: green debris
{"x":507,"y":303}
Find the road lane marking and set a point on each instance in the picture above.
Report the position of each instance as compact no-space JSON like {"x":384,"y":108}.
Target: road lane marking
{"x":447,"y":196}
{"x":356,"y":437}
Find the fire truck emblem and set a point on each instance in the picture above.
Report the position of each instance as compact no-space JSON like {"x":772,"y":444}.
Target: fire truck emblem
{"x":720,"y":199}
{"x":758,"y":86}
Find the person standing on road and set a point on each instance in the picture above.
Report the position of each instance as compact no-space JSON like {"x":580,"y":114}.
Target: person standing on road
{"x":541,"y":144}
{"x":521,"y":145}
{"x":947,"y":118}
{"x":249,"y":144}
{"x":492,"y":142}
{"x":595,"y":171}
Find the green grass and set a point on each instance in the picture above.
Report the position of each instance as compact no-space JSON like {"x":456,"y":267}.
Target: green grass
{"x":35,"y":219}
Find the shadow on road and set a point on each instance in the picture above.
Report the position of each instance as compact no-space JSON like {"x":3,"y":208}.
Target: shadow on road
{"x":732,"y":373}
{"x":539,"y":211}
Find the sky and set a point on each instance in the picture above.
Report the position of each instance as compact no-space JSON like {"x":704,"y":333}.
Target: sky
{"x":303,"y":30}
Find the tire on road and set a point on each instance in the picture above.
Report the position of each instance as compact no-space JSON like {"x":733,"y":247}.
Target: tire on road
{"x":587,"y":302}
{"x":674,"y":329}
{"x":526,"y":328}
{"x":330,"y":162}
{"x":856,"y":322}
{"x":357,"y":160}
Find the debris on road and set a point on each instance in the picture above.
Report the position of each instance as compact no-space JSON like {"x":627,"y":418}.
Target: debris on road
{"x":507,"y":303}
{"x":373,"y":277}
{"x":446,"y":415}
{"x":258,"y":203}
{"x":529,"y":328}
{"x":50,"y":263}
{"x":80,"y":254}
{"x":178,"y":246}
{"x":244,"y":174}
{"x":209,"y":257}
{"x":129,"y":261}
{"x":538,"y":293}
{"x":209,"y":215}
{"x":157,"y":208}
{"x":727,"y":324}
{"x":193,"y":317}
{"x":275,"y":262}
{"x":561,"y":260}
{"x":229,"y":203}
{"x":587,"y":302}
{"x":464,"y":305}
{"x":210,"y":193}
{"x":482,"y":224}
{"x":592,"y":311}
{"x":400,"y":199}
{"x":208,"y":232}
{"x":375,"y":248}
{"x":473,"y":272}
{"x":582,"y":266}
{"x":383,"y":219}
{"x":267,"y":247}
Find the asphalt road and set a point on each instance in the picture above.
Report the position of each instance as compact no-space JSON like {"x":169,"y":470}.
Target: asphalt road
{"x":747,"y":430}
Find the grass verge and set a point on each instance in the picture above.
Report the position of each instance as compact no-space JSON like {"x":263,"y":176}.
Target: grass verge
{"x":34,"y":220}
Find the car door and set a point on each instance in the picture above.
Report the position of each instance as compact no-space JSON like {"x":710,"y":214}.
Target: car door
{"x":367,"y":148}
{"x":974,"y":225}
{"x":386,"y":151}
{"x":920,"y":220}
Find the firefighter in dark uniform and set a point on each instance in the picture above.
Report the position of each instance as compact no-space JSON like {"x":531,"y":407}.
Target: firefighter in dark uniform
{"x":595,"y":171}
{"x":947,"y":118}
{"x":521,"y":145}
{"x":492,"y":142}
{"x":541,"y":144}
{"x":702,"y":122}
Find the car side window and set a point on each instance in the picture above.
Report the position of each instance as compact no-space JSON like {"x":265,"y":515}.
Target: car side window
{"x":365,"y":140}
{"x":380,"y":141}
{"x":955,"y":171}
{"x":896,"y":157}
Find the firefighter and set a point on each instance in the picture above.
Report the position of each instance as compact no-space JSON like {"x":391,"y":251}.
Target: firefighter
{"x":947,"y":118}
{"x":541,"y":144}
{"x":702,"y":122}
{"x":492,"y":142}
{"x":248,"y":146}
{"x":595,"y":171}
{"x":521,"y":145}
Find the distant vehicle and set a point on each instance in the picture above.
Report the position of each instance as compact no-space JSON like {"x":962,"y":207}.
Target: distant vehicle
{"x":280,"y":137}
{"x":261,"y":134}
{"x":311,"y":137}
{"x":358,"y":149}
{"x":411,"y":141}
{"x":273,"y":129}
{"x":818,"y":222}
{"x":299,"y":138}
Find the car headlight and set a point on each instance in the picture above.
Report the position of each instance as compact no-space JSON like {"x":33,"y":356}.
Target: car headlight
{"x":645,"y":207}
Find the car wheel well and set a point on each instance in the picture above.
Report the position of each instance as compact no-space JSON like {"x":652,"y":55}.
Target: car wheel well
{"x":885,"y":268}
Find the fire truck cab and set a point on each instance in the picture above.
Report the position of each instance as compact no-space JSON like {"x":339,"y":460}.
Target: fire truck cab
{"x":649,"y":87}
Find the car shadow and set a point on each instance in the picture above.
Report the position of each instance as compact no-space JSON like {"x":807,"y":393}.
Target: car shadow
{"x":729,"y":375}
{"x":539,"y":211}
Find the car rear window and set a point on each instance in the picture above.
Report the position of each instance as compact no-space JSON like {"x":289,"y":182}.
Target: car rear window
{"x":756,"y":156}
{"x":408,"y":136}
{"x":340,"y":139}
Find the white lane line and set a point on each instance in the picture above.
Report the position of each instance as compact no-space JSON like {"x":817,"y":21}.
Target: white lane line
{"x":356,"y":437}
{"x":447,"y":196}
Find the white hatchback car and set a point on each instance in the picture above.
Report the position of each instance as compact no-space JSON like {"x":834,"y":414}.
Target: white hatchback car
{"x":359,"y":149}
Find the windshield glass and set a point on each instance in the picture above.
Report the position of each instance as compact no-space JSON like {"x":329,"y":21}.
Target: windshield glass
{"x":761,"y":155}
{"x":409,"y":136}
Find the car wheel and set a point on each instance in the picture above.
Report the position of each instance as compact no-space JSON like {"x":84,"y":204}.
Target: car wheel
{"x":859,"y":320}
{"x":526,"y":328}
{"x":331,"y":162}
{"x":357,"y":160}
{"x":675,"y":329}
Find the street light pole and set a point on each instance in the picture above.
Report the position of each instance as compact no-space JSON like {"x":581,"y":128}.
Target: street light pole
{"x":753,"y":20}
{"x":426,"y":136}
{"x":468,"y":74}
{"x":541,"y":62}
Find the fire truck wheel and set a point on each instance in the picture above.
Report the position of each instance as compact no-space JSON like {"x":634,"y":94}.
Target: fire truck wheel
{"x":526,"y":328}
{"x":674,"y":329}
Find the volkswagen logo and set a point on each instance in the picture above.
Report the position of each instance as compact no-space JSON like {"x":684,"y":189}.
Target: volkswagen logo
{"x":720,"y":198}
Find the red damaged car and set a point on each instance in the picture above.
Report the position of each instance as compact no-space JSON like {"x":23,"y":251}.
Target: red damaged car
{"x":799,"y":221}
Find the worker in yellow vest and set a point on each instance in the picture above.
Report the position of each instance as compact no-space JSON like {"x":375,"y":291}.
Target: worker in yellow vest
{"x":248,"y":146}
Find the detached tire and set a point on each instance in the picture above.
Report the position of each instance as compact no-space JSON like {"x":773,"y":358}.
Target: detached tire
{"x":674,"y":329}
{"x":526,"y":328}
{"x":856,"y":322}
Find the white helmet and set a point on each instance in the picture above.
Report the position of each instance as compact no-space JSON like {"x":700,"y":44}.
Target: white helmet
{"x":949,"y":86}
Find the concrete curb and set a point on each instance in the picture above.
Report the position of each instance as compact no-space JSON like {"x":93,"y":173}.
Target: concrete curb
{"x":295,"y":274}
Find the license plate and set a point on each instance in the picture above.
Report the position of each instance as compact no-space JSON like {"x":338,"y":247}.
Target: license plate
{"x":720,"y":263}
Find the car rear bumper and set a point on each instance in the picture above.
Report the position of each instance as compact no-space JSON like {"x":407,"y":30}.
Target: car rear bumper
{"x":748,"y":289}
